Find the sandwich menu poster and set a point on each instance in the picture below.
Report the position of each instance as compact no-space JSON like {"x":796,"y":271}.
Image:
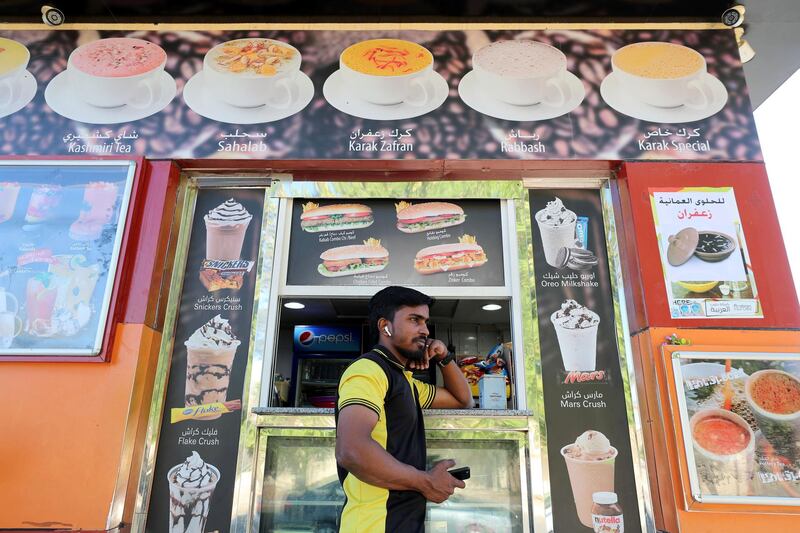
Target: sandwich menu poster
{"x":455,"y":243}
{"x":195,"y":470}
{"x":588,"y":436}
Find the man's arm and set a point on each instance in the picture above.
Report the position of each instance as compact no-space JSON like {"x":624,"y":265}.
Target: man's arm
{"x":456,"y":393}
{"x":362,"y":456}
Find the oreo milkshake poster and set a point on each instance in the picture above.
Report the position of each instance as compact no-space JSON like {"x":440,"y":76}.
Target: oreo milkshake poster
{"x":378,"y":94}
{"x":195,"y":470}
{"x":588,"y":436}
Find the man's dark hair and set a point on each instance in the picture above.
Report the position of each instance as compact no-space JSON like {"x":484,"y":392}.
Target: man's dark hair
{"x":386,"y":302}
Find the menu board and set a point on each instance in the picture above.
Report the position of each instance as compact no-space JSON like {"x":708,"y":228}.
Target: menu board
{"x":61,"y":230}
{"x":740,"y":418}
{"x":707,"y":268}
{"x":556,"y":94}
{"x":193,"y":483}
{"x":588,"y":437}
{"x":430,"y":243}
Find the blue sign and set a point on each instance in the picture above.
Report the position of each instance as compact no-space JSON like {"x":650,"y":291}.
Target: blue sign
{"x":326,"y":339}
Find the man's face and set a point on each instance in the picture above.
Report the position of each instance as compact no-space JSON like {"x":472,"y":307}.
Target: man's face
{"x":410,"y":331}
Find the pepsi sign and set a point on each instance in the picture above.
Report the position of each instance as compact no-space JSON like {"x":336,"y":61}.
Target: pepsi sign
{"x":326,"y":339}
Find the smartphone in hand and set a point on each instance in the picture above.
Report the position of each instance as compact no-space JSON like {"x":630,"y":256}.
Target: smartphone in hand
{"x":461,"y":473}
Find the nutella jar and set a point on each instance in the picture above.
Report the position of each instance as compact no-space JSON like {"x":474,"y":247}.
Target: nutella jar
{"x":606,"y":513}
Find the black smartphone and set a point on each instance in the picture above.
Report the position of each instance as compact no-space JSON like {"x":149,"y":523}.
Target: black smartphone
{"x":461,"y":473}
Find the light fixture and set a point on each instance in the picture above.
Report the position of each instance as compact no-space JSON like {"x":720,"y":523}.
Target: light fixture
{"x":294,"y":305}
{"x":492,"y":307}
{"x":746,"y":52}
{"x":471,"y":338}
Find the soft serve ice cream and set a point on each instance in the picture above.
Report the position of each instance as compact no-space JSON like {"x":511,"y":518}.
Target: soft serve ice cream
{"x":226,"y":225}
{"x":590,"y":463}
{"x":557,"y":227}
{"x":576,"y":329}
{"x":210,"y":352}
{"x":191,"y":485}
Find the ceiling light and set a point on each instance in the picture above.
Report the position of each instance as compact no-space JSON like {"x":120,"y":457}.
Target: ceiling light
{"x":471,"y":338}
{"x":492,"y":307}
{"x":294,"y":305}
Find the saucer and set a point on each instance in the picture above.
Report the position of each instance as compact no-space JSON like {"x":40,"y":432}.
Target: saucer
{"x":337,"y":93}
{"x":471,"y":93}
{"x":204,"y":104}
{"x":26,"y":94}
{"x":627,"y":104}
{"x":66,"y":103}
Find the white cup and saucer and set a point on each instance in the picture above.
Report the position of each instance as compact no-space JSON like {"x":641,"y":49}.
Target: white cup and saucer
{"x":386,"y":79}
{"x":521,"y":80}
{"x":249,"y":81}
{"x":662,"y":82}
{"x":17,"y":85}
{"x":112,"y":81}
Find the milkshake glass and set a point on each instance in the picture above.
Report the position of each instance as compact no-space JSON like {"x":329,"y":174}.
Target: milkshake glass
{"x":43,"y":203}
{"x":226,"y":225}
{"x":191,"y":485}
{"x":40,"y":299}
{"x":8,"y":200}
{"x":557,"y":228}
{"x":591,"y":469}
{"x":210,"y":352}
{"x":576,"y":330}
{"x":99,"y":199}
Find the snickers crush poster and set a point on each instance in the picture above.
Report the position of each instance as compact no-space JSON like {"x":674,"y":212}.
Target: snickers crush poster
{"x":192,"y":487}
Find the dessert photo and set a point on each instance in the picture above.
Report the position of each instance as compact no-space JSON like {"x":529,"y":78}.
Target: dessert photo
{"x":521,"y":80}
{"x":335,"y":217}
{"x":590,"y":464}
{"x":354,"y":259}
{"x":386,"y":79}
{"x":466,"y":253}
{"x":249,"y":81}
{"x":191,"y":485}
{"x":17,"y":84}
{"x":111,"y":81}
{"x":662,"y":82}
{"x":557,"y":229}
{"x":576,"y":330}
{"x":226,"y":226}
{"x":416,"y":218}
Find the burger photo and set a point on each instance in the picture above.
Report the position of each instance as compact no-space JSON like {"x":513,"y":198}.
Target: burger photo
{"x":415,"y":218}
{"x":446,"y":257}
{"x":334,"y":217}
{"x":354,"y":259}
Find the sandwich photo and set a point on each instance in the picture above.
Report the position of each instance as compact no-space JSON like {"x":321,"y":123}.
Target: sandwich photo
{"x":354,"y":259}
{"x":466,"y":253}
{"x":414,"y":218}
{"x":334,"y":217}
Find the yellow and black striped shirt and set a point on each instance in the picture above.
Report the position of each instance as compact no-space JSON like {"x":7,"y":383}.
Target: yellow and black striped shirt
{"x":379,"y":382}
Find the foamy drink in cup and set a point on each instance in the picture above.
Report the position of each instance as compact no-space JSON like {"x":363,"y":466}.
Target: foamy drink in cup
{"x":14,"y":57}
{"x":590,"y":464}
{"x":226,"y":226}
{"x":210,"y":352}
{"x":724,"y":452}
{"x":191,"y":485}
{"x":576,"y":330}
{"x":557,"y":228}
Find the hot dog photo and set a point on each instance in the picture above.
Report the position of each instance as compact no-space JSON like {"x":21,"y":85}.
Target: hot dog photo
{"x":466,"y":253}
{"x":354,"y":259}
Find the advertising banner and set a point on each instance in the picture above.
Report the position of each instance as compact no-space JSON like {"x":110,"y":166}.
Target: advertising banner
{"x":192,"y":487}
{"x":317,"y":94}
{"x":61,"y":230}
{"x":740,"y":418}
{"x":324,"y":339}
{"x":707,"y":268}
{"x":588,"y":433}
{"x":397,"y":242}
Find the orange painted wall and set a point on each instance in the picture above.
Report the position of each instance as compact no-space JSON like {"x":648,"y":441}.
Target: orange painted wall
{"x":63,"y":428}
{"x":677,"y":512}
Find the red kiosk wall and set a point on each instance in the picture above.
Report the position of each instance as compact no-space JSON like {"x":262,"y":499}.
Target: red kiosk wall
{"x":648,"y":293}
{"x":68,"y":425}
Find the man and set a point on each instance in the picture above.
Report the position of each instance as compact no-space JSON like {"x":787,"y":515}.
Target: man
{"x":380,"y":435}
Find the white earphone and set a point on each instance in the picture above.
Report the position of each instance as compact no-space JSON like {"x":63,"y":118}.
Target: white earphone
{"x":386,"y":329}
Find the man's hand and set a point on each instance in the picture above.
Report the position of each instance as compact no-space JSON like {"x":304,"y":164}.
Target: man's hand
{"x":434,"y":351}
{"x":440,"y":484}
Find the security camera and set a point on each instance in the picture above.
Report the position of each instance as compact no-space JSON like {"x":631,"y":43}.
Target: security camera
{"x":52,"y":16}
{"x":733,"y":17}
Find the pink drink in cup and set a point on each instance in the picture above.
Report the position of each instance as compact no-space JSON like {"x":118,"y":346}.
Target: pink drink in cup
{"x":99,"y":199}
{"x":8,"y":199}
{"x":40,"y":298}
{"x":226,"y":225}
{"x":43,"y":203}
{"x":590,"y":464}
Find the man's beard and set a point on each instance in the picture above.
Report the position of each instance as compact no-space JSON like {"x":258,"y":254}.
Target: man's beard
{"x":412,"y":355}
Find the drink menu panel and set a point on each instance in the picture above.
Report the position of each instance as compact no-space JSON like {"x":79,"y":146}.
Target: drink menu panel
{"x":61,"y":229}
{"x":740,"y":417}
{"x":316,"y":94}
{"x":193,"y":483}
{"x":588,"y":436}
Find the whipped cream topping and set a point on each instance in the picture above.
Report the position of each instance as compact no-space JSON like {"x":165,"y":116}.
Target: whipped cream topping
{"x":216,"y":333}
{"x":591,"y":445}
{"x":194,"y":473}
{"x":573,"y":315}
{"x":229,"y":213}
{"x":555,"y":214}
